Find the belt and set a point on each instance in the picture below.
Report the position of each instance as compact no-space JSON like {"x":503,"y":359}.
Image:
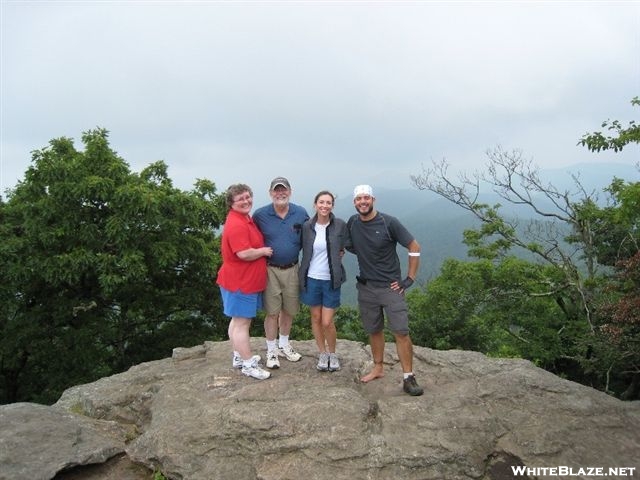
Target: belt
{"x":283,"y":267}
{"x":372,"y":283}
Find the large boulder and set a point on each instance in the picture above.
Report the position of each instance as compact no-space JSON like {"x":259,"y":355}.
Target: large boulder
{"x":194,"y":417}
{"x":37,"y":441}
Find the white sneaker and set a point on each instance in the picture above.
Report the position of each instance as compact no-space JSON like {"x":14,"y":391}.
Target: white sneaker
{"x":323,"y":362}
{"x":256,"y":372}
{"x":237,"y":360}
{"x":289,"y":353}
{"x":334,"y":363}
{"x":272,"y":359}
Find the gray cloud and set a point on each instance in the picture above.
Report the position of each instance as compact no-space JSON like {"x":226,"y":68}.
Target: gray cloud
{"x":329,"y":94}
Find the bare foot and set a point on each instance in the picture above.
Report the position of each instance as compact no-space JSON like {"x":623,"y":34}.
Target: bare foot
{"x":373,"y":374}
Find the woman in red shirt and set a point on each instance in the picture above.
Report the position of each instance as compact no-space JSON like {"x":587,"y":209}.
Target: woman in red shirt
{"x":242,"y":276}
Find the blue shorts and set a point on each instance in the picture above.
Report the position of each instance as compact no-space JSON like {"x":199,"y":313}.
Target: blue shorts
{"x":320,"y":292}
{"x":238,"y":304}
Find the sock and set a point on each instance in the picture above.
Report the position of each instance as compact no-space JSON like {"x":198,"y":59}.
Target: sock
{"x":236,"y":354}
{"x":284,"y":340}
{"x":271,"y":345}
{"x":407,"y":375}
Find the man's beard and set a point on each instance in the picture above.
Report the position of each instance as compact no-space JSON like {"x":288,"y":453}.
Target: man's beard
{"x":367,"y":212}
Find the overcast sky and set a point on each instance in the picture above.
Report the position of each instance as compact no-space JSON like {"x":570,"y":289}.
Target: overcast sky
{"x":327,"y":93}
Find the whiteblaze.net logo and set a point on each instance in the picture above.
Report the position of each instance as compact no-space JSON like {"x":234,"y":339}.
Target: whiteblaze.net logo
{"x":521,"y":471}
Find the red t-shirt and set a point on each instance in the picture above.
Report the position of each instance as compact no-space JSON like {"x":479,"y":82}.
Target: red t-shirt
{"x":240,"y":233}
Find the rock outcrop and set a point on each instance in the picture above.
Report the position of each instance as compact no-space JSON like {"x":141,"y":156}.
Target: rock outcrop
{"x":194,"y":417}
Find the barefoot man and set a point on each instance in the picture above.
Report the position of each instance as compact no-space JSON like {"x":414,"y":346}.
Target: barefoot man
{"x":373,"y":238}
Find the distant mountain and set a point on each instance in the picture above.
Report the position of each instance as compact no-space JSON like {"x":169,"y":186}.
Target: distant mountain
{"x":438,"y":224}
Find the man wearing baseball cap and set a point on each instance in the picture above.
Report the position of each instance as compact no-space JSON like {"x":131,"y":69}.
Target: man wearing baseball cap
{"x":381,"y":288}
{"x":281,"y":225}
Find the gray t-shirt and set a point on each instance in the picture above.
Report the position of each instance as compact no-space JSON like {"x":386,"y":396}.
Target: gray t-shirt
{"x":374,"y":243}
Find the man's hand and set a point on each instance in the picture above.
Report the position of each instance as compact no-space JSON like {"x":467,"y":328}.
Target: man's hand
{"x":402,"y":285}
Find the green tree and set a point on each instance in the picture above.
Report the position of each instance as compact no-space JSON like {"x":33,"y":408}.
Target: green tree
{"x":617,"y":348}
{"x":501,"y":309}
{"x":562,"y":224}
{"x":597,"y":141}
{"x":349,"y":325}
{"x":447,"y":313}
{"x":568,"y":312}
{"x":617,"y":345}
{"x":104,"y":268}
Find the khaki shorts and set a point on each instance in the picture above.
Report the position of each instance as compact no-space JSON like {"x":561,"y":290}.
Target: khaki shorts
{"x":374,"y":302}
{"x":283,"y":291}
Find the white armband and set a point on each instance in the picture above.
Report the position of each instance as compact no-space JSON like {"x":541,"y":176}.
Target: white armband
{"x":414,"y":254}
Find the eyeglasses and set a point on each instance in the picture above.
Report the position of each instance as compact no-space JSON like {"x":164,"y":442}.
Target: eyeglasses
{"x":244,"y":198}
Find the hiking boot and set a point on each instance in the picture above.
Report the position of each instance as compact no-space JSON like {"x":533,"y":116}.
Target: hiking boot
{"x":237,"y":360}
{"x":255,"y":371}
{"x":272,"y":359}
{"x":410,"y":386}
{"x":323,"y":362}
{"x":289,"y":353}
{"x":334,"y":363}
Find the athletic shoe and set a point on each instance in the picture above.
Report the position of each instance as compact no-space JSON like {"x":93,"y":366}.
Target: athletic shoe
{"x":255,"y":371}
{"x":410,"y":386}
{"x":289,"y":353}
{"x":334,"y":363}
{"x":237,"y":360}
{"x":323,"y":362}
{"x":272,"y":359}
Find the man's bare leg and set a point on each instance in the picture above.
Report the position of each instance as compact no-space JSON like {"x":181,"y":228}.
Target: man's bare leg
{"x":376,"y":340}
{"x":404,"y":347}
{"x":285,"y":320}
{"x":271,"y":326}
